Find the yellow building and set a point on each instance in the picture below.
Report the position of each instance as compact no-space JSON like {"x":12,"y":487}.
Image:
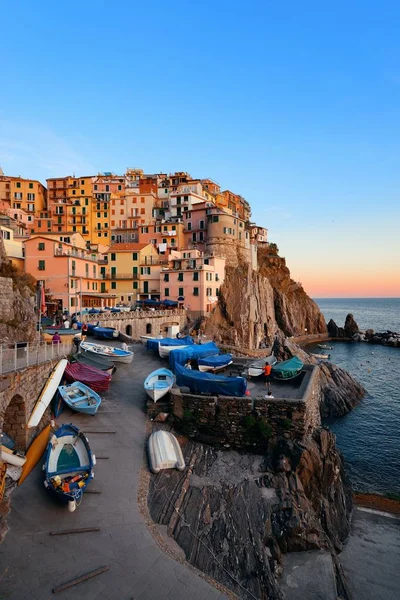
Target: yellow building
{"x":13,"y":246}
{"x":69,"y":206}
{"x":26,"y":194}
{"x":134,"y":271}
{"x":108,"y":192}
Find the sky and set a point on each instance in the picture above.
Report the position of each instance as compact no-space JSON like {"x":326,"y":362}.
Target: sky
{"x":294,"y":105}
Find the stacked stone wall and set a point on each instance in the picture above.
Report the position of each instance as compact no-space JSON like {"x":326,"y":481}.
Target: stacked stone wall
{"x":6,"y":299}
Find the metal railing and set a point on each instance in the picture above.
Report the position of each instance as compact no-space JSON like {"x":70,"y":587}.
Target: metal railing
{"x":21,"y":355}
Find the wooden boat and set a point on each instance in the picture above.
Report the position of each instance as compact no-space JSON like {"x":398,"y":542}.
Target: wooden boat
{"x":256,"y":368}
{"x":94,"y":378}
{"x":66,"y":335}
{"x":214,"y":363}
{"x":116,"y":354}
{"x":96,"y":361}
{"x":325,"y":346}
{"x":47,"y":393}
{"x":165,"y":452}
{"x":12,"y":457}
{"x":159,"y":383}
{"x":105,"y":333}
{"x":321,"y":356}
{"x":35,"y":451}
{"x":164,"y":351}
{"x":68,"y":464}
{"x":80,"y":397}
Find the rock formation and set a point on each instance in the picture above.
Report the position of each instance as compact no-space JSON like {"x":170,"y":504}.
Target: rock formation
{"x":253,"y":305}
{"x":238,"y":514}
{"x":350,"y":326}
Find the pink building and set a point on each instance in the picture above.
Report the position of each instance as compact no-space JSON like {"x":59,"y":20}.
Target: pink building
{"x":194,"y":279}
{"x":71,"y":274}
{"x":195,"y":226}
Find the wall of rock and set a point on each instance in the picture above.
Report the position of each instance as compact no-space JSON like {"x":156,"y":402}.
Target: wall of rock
{"x":17,"y":314}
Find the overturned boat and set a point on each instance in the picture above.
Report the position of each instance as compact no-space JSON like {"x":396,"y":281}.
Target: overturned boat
{"x":165,"y":452}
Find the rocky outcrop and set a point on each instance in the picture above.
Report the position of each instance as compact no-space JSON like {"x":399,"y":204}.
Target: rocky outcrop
{"x":334,"y":331}
{"x":350,"y":326}
{"x":235,"y":515}
{"x":254,"y":305}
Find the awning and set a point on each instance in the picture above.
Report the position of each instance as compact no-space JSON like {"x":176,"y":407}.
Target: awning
{"x":96,"y":295}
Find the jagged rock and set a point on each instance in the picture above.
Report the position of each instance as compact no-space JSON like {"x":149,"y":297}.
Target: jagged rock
{"x":334,"y":331}
{"x":350,"y":326}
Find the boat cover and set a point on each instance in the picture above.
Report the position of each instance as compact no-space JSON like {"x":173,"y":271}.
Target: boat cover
{"x":184,"y":341}
{"x":206,"y":383}
{"x":180,"y":355}
{"x":215,"y":361}
{"x":288,"y":368}
{"x":98,"y":380}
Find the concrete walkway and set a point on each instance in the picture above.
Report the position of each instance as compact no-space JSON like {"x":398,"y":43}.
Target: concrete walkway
{"x":32,"y":562}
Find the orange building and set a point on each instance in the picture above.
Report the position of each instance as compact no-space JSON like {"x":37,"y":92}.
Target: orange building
{"x":69,"y":206}
{"x":108,"y":196}
{"x":28,"y":195}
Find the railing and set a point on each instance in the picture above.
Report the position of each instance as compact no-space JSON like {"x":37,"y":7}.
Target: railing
{"x":21,"y":355}
{"x":135,"y":314}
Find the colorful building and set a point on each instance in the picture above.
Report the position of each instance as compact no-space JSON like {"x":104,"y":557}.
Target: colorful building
{"x":195,"y":226}
{"x":13,"y":244}
{"x":194,"y":279}
{"x":71,"y":274}
{"x":69,"y":206}
{"x":108,"y":195}
{"x":28,"y":195}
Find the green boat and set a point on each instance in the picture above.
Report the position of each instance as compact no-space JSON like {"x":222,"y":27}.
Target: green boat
{"x":288,"y":369}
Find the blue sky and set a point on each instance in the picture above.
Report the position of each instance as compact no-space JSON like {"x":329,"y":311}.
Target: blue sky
{"x":294,"y":105}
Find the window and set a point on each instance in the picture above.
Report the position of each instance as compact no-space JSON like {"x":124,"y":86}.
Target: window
{"x":113,"y":285}
{"x":217,"y":291}
{"x":112,"y":256}
{"x":18,"y":195}
{"x":39,"y":223}
{"x":180,"y":291}
{"x":87,"y":201}
{"x":73,"y":192}
{"x":215,"y":219}
{"x":72,"y":284}
{"x":87,"y":270}
{"x":145,"y":271}
{"x":119,"y":188}
{"x":42,"y":265}
{"x":98,"y":215}
{"x":107,"y":188}
{"x":166,"y":277}
{"x":196,"y":276}
{"x":105,"y":207}
{"x":208,"y":292}
{"x":134,"y":255}
{"x":95,"y":186}
{"x":82,"y":182}
{"x":189,"y":226}
{"x":166,"y":292}
{"x":135,"y":285}
{"x":105,"y":215}
{"x":41,"y":246}
{"x":6,"y":235}
{"x":31,"y":186}
{"x":31,"y":197}
{"x":195,"y":291}
{"x":165,"y":227}
{"x":201,"y":224}
{"x":194,"y":237}
{"x":18,"y":184}
{"x":180,"y":276}
{"x":216,"y":277}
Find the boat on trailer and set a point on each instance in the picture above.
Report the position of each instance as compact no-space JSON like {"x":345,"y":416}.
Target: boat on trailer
{"x":115,"y":354}
{"x":159,"y":383}
{"x":80,"y":397}
{"x":69,"y":464}
{"x":165,"y":452}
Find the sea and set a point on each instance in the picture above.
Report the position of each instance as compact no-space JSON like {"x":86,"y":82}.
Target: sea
{"x":369,"y":436}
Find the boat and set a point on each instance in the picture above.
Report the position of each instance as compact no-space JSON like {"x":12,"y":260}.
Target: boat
{"x":116,"y":354}
{"x":66,"y":335}
{"x":153,"y":344}
{"x":287,"y":369}
{"x":144,"y":338}
{"x":12,"y":457}
{"x":256,"y":368}
{"x":68,"y":464}
{"x":47,"y":393}
{"x":105,"y":333}
{"x":321,"y":356}
{"x":194,"y":352}
{"x":97,"y":380}
{"x":165,"y":452}
{"x":325,"y":346}
{"x":214,"y":363}
{"x":34,"y":453}
{"x":207,"y":383}
{"x":164,"y":351}
{"x":159,"y":383}
{"x":80,"y":397}
{"x":96,"y":361}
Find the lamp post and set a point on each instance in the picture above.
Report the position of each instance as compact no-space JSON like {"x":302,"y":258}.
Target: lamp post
{"x":305,"y":330}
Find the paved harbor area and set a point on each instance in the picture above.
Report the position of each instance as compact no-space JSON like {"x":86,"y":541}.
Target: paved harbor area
{"x":32,"y":562}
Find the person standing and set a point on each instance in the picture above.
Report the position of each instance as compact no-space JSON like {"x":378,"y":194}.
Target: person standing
{"x":267,"y":377}
{"x":84,"y":331}
{"x":56,"y":339}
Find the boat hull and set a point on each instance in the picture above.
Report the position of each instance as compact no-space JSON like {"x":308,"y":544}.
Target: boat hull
{"x":205,"y":368}
{"x":80,"y":398}
{"x":256,"y":369}
{"x":66,"y":338}
{"x":165,"y":452}
{"x":114,"y":354}
{"x":159,"y":383}
{"x":164,"y":351}
{"x":11,"y":458}
{"x":47,"y":393}
{"x":34,"y":453}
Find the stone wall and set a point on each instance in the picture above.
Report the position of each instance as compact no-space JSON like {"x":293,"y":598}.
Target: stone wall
{"x":138,"y":323}
{"x":244,"y":423}
{"x":6,"y":296}
{"x":19,"y":393}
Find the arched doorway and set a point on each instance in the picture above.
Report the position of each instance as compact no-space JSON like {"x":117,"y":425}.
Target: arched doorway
{"x":128,"y":330}
{"x":148,"y":328}
{"x":15,"y":421}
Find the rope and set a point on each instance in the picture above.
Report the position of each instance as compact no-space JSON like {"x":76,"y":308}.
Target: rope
{"x":205,"y":545}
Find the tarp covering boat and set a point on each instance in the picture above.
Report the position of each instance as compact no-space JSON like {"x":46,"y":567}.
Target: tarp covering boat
{"x":206,"y":383}
{"x":183,"y":341}
{"x":215,"y":362}
{"x":94,"y":378}
{"x":288,"y":368}
{"x":179,"y":357}
{"x":105,"y":333}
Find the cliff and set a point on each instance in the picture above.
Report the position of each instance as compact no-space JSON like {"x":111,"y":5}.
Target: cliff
{"x":236,"y":515}
{"x":254,"y":305}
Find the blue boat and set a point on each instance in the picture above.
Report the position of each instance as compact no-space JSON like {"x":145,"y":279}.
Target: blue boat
{"x":80,"y":397}
{"x":158,"y":383}
{"x":206,"y":383}
{"x":214,"y":363}
{"x":68,"y":464}
{"x":91,"y":328}
{"x":180,"y":356}
{"x":105,"y":333}
{"x":153,"y":344}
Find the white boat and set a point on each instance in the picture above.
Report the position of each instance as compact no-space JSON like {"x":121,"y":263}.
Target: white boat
{"x":47,"y":393}
{"x":325,"y":346}
{"x":164,"y":351}
{"x":144,"y":338}
{"x":116,"y":354}
{"x":159,"y":383}
{"x":165,"y":452}
{"x":11,"y":457}
{"x":214,"y":363}
{"x":256,"y":368}
{"x":321,"y":356}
